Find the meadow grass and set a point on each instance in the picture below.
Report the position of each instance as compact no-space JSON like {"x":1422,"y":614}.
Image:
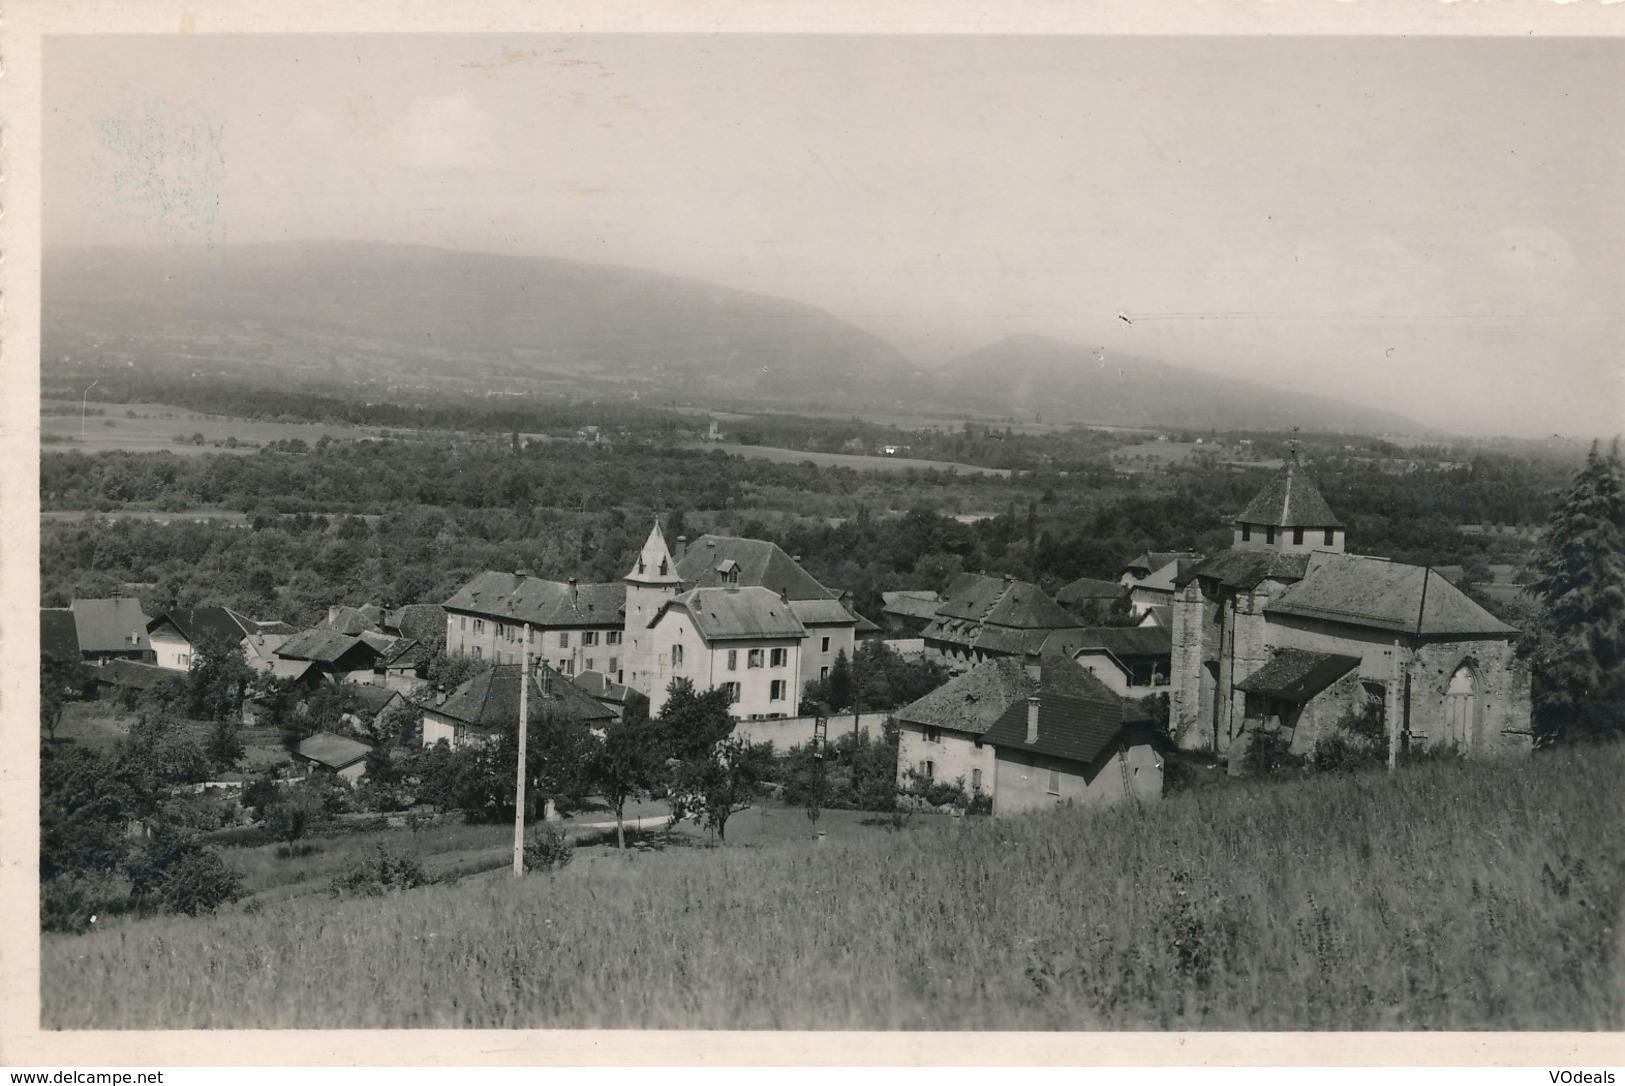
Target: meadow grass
{"x":1447,"y":896}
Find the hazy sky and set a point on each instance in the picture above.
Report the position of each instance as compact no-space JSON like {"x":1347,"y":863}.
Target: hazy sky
{"x":1434,"y":226}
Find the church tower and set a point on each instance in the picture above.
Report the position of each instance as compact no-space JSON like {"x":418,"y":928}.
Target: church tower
{"x":1290,"y":516}
{"x":651,"y":583}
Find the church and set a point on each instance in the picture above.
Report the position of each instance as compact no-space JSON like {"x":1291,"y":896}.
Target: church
{"x":1287,"y":631}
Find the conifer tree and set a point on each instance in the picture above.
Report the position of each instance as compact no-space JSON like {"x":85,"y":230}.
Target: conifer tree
{"x":1576,"y":644}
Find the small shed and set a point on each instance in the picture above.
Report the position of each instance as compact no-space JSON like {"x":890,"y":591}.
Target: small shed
{"x":335,"y":753}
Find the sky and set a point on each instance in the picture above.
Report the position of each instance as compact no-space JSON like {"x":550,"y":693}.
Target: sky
{"x":1428,"y":225}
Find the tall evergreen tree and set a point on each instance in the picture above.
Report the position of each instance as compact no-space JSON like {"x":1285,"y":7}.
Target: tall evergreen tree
{"x":1576,"y":644}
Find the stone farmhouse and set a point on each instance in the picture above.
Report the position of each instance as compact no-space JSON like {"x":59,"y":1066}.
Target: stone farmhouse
{"x":1286,"y":631}
{"x":1031,"y":734}
{"x":479,"y":710}
{"x":111,"y":629}
{"x":175,"y":634}
{"x":574,"y":627}
{"x":984,"y":618}
{"x":1132,"y":661}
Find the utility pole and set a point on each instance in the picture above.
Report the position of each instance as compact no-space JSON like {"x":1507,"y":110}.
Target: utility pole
{"x":519,"y":772}
{"x":84,"y":402}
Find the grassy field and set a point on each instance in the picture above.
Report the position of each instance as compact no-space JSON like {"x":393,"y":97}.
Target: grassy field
{"x":155,"y":427}
{"x":845,"y":460}
{"x":1449,"y":896}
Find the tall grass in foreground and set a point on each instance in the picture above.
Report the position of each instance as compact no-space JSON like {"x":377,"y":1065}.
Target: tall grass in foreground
{"x":1448,"y":896}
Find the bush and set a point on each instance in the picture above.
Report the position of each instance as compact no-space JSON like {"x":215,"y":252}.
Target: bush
{"x":384,"y":870}
{"x":67,"y":902}
{"x":176,"y":873}
{"x":546,"y":848}
{"x":1358,"y":741}
{"x":935,"y":793}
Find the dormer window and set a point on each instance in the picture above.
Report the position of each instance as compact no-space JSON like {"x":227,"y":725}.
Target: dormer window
{"x":662,"y":567}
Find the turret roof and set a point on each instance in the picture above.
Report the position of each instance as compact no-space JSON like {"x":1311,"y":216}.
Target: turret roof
{"x":1290,"y":500}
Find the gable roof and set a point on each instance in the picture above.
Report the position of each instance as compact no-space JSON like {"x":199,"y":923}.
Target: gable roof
{"x":193,"y":623}
{"x":509,"y":597}
{"x":354,"y":620}
{"x":405,"y":653}
{"x":1297,"y":674}
{"x":1375,"y":593}
{"x":490,"y":700}
{"x":420,"y":621}
{"x":333,"y":751}
{"x":822,"y":613}
{"x":973,"y":701}
{"x":373,"y":699}
{"x":1289,"y":500}
{"x":730,"y":614}
{"x":1075,"y":729}
{"x":1085,"y":589}
{"x":323,"y":646}
{"x":1165,"y":578}
{"x":759,"y":563}
{"x":1151,"y":561}
{"x":111,"y":625}
{"x":58,"y":633}
{"x":135,"y":674}
{"x":602,"y":687}
{"x":996,"y":614}
{"x":1245,"y":568}
{"x":1120,"y":641}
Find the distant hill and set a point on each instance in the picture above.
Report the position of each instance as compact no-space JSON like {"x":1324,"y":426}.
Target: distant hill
{"x":1066,"y":381}
{"x":333,"y":307}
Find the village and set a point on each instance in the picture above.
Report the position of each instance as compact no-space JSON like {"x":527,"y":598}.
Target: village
{"x":1285,"y":639}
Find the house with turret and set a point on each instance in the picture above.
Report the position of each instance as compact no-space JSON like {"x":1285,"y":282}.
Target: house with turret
{"x":1286,"y":631}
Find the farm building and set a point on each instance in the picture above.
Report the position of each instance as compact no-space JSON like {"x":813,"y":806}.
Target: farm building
{"x":1285,"y":631}
{"x":987,"y":617}
{"x":909,"y":611}
{"x":336,"y":754}
{"x":1150,"y":578}
{"x":111,"y":629}
{"x":482,"y":708}
{"x":1132,"y":661}
{"x":1090,"y":600}
{"x":176,"y":633}
{"x":335,"y":656}
{"x":1030,"y":734}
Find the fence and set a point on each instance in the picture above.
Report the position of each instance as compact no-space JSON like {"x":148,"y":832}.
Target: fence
{"x":798,"y":730}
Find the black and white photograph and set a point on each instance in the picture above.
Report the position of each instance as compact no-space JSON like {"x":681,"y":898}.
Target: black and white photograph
{"x":969,"y":532}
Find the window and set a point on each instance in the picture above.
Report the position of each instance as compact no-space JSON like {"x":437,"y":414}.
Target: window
{"x":1329,"y":532}
{"x":732,"y":576}
{"x":677,"y":656}
{"x":532,"y":633}
{"x":185,"y":659}
{"x":826,"y":645}
{"x":462,"y":622}
{"x":613,"y":637}
{"x":776,"y":690}
{"x":753,"y":658}
{"x":587,"y":664}
{"x":1246,"y":532}
{"x":733,"y":659}
{"x":568,"y":666}
{"x":777,"y":657}
{"x":823,"y":673}
{"x":976,"y":780}
{"x":928,"y":769}
{"x":733,"y":692}
{"x":477,"y":654}
{"x":933,"y":735}
{"x":1055,"y":782}
{"x":1297,"y":535}
{"x":1269,"y":534}
{"x":564,"y":639}
{"x":589,"y":637}
{"x":615,"y":665}
{"x":479,"y":625}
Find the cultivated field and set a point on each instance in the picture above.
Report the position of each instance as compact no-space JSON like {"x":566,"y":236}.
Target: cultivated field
{"x":1449,"y":896}
{"x":845,"y":460}
{"x":155,"y":427}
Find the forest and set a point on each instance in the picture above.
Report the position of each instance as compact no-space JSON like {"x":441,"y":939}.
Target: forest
{"x":407,"y":520}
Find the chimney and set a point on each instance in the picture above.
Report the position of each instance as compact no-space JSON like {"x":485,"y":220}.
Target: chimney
{"x":682,"y":547}
{"x":573,"y":595}
{"x":332,"y":615}
{"x":440,"y":694}
{"x":1032,"y":719}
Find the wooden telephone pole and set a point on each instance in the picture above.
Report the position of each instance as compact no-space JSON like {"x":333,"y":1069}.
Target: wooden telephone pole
{"x":519,"y":772}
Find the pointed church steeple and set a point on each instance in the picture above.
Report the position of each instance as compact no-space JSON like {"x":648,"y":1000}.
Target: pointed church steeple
{"x":654,"y":565}
{"x":1289,"y":515}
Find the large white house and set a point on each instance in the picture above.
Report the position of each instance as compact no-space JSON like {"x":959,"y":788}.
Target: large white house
{"x":745,"y":640}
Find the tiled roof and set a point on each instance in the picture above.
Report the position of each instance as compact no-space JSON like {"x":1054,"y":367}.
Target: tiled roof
{"x":407,"y":652}
{"x":322,"y":646}
{"x":421,"y":621}
{"x":655,"y":564}
{"x":760,"y":563}
{"x":1159,"y":615}
{"x":1166,"y":576}
{"x":1075,"y":729}
{"x":728,"y":614}
{"x":333,"y":751}
{"x":1151,"y":561}
{"x":601,"y":686}
{"x":490,"y":700}
{"x":996,"y":615}
{"x":1088,"y":588}
{"x":508,"y":597}
{"x":973,"y":701}
{"x":1120,"y":641}
{"x":195,"y":622}
{"x":293,"y":669}
{"x":133,"y":673}
{"x":1245,"y":567}
{"x":354,"y":620}
{"x":372,"y":698}
{"x":111,"y":625}
{"x":1290,"y":500}
{"x":263,"y":646}
{"x":1392,"y":596}
{"x":911,"y":604}
{"x":822,"y":613}
{"x":58,"y":635}
{"x":1298,"y":675}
